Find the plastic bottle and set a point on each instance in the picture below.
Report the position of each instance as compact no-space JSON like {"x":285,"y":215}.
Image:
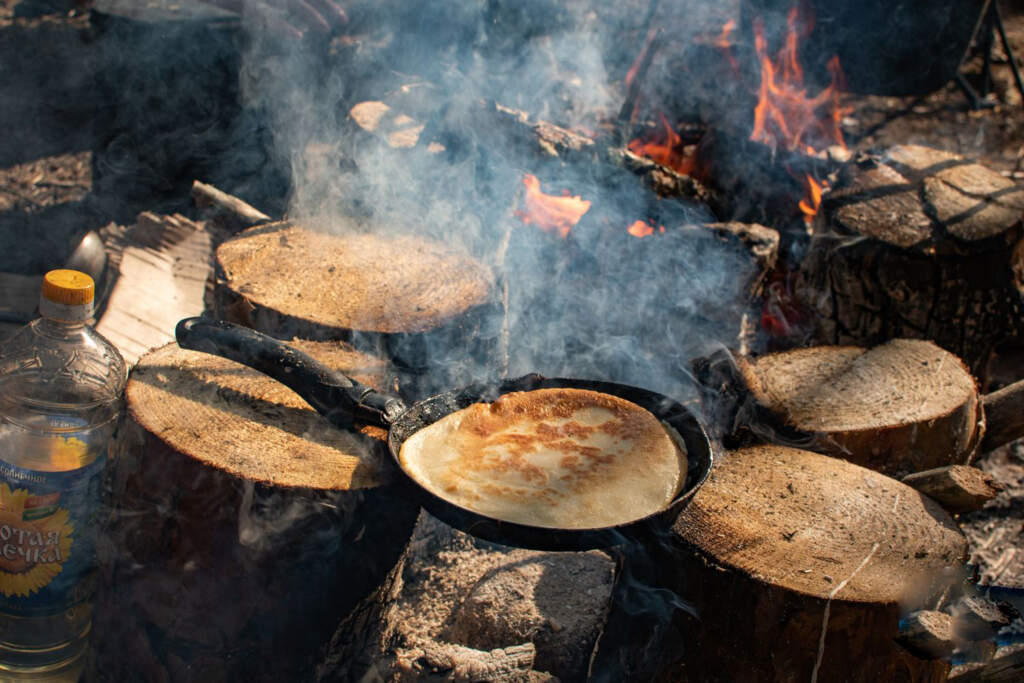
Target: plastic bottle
{"x":61,"y":386}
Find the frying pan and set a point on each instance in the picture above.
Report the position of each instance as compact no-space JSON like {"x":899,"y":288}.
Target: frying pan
{"x":344,"y":401}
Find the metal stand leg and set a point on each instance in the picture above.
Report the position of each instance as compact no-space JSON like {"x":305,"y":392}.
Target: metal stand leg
{"x":991,"y":21}
{"x":998,"y":20}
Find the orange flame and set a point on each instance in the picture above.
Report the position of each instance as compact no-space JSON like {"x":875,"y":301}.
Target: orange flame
{"x":810,"y":204}
{"x":785,"y":116}
{"x":643,"y":229}
{"x":549,"y":213}
{"x":724,"y":42}
{"x":668,"y":152}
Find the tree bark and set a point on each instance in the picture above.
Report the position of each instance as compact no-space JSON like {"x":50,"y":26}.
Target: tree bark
{"x":921,"y":244}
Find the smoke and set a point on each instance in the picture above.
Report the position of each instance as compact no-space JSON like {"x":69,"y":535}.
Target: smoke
{"x":601,"y":304}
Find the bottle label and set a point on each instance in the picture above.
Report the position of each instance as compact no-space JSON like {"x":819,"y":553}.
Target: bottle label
{"x":47,"y":537}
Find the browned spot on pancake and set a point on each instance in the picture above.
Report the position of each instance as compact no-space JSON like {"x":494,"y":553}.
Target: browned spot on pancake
{"x":552,"y":455}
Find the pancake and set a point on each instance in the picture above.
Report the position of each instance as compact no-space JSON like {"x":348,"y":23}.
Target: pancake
{"x":559,"y":458}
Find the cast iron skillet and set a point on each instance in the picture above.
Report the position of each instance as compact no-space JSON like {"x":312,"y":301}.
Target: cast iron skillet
{"x":343,"y":401}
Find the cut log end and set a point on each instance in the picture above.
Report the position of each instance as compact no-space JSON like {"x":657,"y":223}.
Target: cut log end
{"x":901,"y":407}
{"x":928,"y":634}
{"x":822,"y":527}
{"x":267,"y":433}
{"x":362,"y":282}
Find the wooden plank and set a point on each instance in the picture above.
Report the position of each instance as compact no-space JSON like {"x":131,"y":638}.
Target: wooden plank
{"x":163,"y":266}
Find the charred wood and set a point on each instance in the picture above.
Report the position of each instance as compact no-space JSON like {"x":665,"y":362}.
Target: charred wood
{"x":977,"y":618}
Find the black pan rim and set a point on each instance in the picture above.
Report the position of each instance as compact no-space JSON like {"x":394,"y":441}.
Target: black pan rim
{"x":699,"y":452}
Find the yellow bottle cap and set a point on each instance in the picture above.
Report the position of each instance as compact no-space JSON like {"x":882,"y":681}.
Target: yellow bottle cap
{"x":68,"y":287}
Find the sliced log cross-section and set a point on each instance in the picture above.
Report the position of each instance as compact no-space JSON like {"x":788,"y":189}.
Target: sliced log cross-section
{"x":798,"y":566}
{"x":901,"y":407}
{"x":243,"y":522}
{"x":409,"y":295}
{"x":919,"y":243}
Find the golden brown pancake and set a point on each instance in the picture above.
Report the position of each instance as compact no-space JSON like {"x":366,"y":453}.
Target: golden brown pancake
{"x":560,"y":458}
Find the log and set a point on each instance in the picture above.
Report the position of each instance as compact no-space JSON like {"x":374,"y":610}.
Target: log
{"x":928,"y":634}
{"x":409,"y":297}
{"x":958,"y":488}
{"x":241,"y":522}
{"x":535,"y":138}
{"x":796,"y":566}
{"x":160,"y":271}
{"x":905,"y":406}
{"x":230,"y":211}
{"x":463,"y":608}
{"x":977,"y":618}
{"x":1004,"y":413}
{"x":918,"y":243}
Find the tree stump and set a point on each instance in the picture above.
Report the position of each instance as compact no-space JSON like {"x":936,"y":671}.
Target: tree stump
{"x":461,"y":607}
{"x":918,"y":243}
{"x":412,"y":298}
{"x":243,"y":526}
{"x":904,"y":406}
{"x":790,"y":565}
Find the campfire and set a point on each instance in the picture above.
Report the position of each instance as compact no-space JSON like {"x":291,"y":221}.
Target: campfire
{"x":377,"y":226}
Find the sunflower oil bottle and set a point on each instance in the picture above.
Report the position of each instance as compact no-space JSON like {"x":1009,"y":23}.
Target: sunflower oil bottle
{"x":61,"y":386}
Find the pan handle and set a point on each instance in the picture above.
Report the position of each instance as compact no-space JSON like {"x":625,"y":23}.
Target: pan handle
{"x":338,"y":398}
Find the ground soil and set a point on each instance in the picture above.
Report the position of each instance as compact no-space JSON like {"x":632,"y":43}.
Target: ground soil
{"x":59,"y":138}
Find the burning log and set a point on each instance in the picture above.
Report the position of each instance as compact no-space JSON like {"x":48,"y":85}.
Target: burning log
{"x":537,"y":139}
{"x":241,"y":521}
{"x":408,"y":295}
{"x":905,"y":406}
{"x":957,"y":488}
{"x":919,"y":243}
{"x":819,"y":557}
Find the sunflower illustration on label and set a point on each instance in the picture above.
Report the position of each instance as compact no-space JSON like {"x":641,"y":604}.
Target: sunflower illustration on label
{"x":36,"y":536}
{"x":47,"y":537}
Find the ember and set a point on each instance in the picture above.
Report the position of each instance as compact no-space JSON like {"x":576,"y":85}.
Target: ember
{"x":643,"y":229}
{"x":550,"y":213}
{"x":667,"y":151}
